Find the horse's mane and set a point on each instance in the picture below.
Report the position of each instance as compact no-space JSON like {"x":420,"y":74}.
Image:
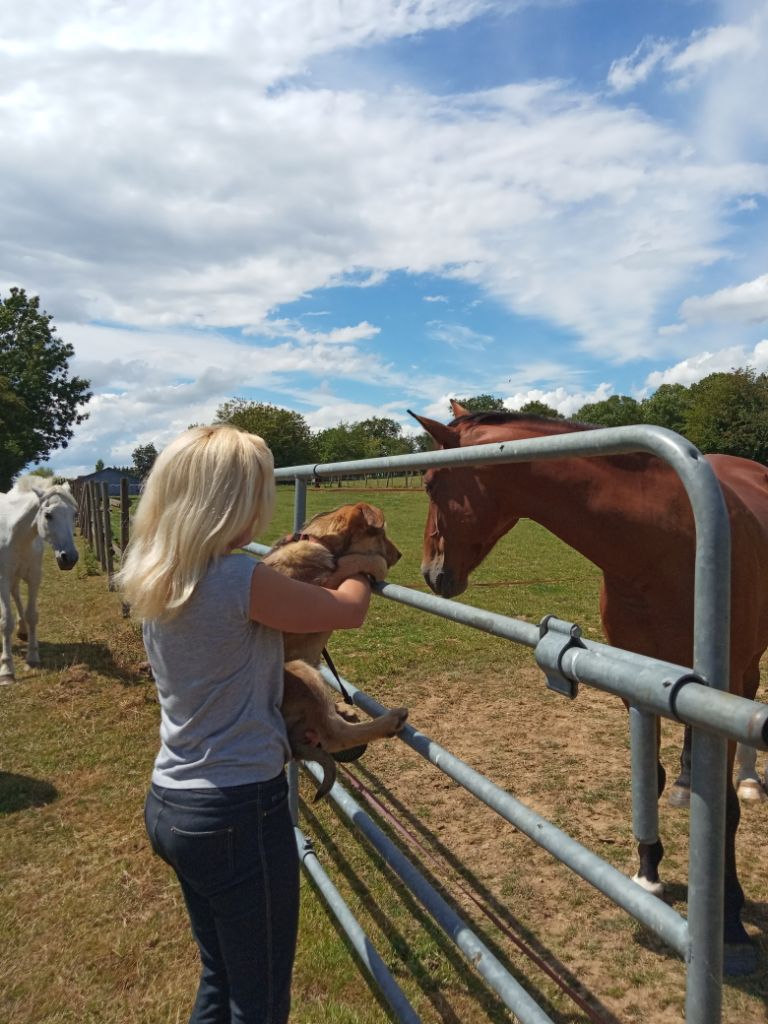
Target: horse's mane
{"x":631,"y":461}
{"x":498,"y":418}
{"x":44,"y":488}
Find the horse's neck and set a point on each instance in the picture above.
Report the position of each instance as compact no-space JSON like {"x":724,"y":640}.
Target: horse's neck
{"x":589,"y":503}
{"x":24,"y":518}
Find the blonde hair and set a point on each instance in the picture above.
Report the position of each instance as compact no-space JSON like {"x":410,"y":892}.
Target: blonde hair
{"x":205,"y":490}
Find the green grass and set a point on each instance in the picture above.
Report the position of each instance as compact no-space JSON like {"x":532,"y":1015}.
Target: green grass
{"x":92,"y":925}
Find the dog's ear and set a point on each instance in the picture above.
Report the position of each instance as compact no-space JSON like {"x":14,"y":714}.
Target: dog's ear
{"x":372,"y":516}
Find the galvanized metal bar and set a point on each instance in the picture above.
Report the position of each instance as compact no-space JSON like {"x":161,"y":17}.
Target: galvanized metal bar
{"x":645,"y":796}
{"x":654,"y":685}
{"x":710,"y":662}
{"x":299,"y":518}
{"x":650,"y":911}
{"x":372,"y":961}
{"x":474,"y":949}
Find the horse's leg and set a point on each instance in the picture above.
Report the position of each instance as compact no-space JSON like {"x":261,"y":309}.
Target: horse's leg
{"x":740,"y":956}
{"x":34,"y":575}
{"x":645,"y":736}
{"x":680,"y":793}
{"x":6,"y":619}
{"x":749,"y":787}
{"x":21,"y":626}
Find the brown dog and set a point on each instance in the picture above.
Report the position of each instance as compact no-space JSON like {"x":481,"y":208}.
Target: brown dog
{"x":330,"y":548}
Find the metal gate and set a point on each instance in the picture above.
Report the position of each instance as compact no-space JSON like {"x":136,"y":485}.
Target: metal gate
{"x":696,"y":695}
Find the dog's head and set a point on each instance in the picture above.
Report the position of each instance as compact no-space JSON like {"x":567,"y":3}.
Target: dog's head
{"x":355,"y":529}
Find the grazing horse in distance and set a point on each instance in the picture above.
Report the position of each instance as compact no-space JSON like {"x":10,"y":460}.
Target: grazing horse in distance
{"x":33,"y":512}
{"x":630,"y":516}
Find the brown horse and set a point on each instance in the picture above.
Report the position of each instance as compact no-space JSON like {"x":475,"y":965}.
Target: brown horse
{"x":630,"y":516}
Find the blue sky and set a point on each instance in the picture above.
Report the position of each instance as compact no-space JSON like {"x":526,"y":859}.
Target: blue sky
{"x":355,"y":209}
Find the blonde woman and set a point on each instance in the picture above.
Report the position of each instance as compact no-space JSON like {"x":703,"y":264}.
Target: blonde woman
{"x":217,"y":808}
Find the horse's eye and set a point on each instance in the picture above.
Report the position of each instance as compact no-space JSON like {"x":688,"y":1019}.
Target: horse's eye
{"x":49,"y":515}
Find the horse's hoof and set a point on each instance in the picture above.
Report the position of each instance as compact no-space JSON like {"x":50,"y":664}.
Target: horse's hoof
{"x":654,"y":888}
{"x":679,"y":796}
{"x":6,"y":680}
{"x":750,"y":791}
{"x":739,"y":958}
{"x":34,"y":663}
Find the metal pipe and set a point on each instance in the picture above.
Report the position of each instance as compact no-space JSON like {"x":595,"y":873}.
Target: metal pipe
{"x":652,"y":912}
{"x":360,"y":942}
{"x":645,"y":796}
{"x":482,"y":959}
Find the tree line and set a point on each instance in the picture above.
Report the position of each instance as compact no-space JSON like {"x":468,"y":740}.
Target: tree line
{"x":725,"y":412}
{"x":41,"y":404}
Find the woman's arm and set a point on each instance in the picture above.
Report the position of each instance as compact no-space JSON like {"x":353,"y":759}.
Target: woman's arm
{"x":282,"y":603}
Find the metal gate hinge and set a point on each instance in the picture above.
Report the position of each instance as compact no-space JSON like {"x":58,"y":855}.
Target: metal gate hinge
{"x":555,"y":638}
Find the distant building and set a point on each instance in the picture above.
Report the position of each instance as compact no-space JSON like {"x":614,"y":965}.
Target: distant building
{"x":112,"y":478}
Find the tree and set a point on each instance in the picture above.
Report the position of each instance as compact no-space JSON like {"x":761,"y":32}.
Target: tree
{"x":44,"y":471}
{"x":99,"y":465}
{"x":729,"y":414}
{"x":383,"y":437}
{"x":143,"y":459}
{"x":482,"y":403}
{"x":616,"y":411}
{"x":536,"y":408}
{"x":39,"y":401}
{"x":286,"y":432}
{"x":342,"y":443}
{"x":667,"y":407}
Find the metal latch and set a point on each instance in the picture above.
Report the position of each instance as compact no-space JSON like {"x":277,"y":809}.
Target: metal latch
{"x":555,"y":638}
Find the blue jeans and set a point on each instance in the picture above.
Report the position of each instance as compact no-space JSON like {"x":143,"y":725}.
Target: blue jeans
{"x":235,"y":855}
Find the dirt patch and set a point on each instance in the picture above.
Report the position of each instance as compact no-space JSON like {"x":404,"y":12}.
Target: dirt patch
{"x":568,"y":761}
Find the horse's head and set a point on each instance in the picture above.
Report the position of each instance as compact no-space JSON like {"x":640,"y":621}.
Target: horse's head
{"x":56,"y":524}
{"x":464,"y":520}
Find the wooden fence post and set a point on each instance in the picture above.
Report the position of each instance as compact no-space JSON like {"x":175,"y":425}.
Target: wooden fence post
{"x":125,"y":515}
{"x":106,"y":520}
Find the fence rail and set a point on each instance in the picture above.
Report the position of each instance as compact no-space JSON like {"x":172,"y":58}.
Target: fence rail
{"x":651,"y":687}
{"x":696,"y":695}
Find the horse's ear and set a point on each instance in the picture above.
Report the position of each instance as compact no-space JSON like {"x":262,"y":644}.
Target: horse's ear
{"x":445,"y":436}
{"x":458,"y":410}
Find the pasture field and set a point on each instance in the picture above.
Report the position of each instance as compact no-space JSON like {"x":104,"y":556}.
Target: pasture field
{"x":92,"y":927}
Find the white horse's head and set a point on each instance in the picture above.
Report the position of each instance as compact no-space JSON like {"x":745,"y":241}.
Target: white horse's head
{"x":55,"y":518}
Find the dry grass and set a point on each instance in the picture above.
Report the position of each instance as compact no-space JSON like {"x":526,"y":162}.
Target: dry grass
{"x":92,"y":924}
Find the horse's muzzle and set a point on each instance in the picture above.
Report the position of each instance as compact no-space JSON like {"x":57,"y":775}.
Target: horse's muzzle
{"x":66,"y":560}
{"x":443,"y":582}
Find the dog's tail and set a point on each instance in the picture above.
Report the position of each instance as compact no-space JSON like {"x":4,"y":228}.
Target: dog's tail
{"x":306,"y":752}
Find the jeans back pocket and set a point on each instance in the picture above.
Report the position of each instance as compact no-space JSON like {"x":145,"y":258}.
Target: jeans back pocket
{"x":205,"y":859}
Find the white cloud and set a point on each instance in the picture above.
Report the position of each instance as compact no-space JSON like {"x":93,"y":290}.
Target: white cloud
{"x":628,"y":72}
{"x":163,"y":170}
{"x":695,"y":367}
{"x":435,"y":298}
{"x":458,"y":336}
{"x":745,"y":303}
{"x":561,"y":399}
{"x":710,"y":47}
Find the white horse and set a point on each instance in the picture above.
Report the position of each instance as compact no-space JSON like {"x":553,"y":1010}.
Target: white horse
{"x":32,"y":512}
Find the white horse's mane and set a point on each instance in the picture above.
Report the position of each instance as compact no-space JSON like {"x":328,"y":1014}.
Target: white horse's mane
{"x":43,"y":487}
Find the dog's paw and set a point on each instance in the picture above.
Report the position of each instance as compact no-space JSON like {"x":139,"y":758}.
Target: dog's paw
{"x":399,"y":717}
{"x":346,"y":711}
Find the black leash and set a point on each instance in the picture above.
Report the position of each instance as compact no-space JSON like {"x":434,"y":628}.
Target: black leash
{"x":353,"y":753}
{"x":344,"y":691}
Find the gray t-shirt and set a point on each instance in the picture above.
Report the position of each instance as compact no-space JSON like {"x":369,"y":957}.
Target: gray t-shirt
{"x":219,"y":678}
